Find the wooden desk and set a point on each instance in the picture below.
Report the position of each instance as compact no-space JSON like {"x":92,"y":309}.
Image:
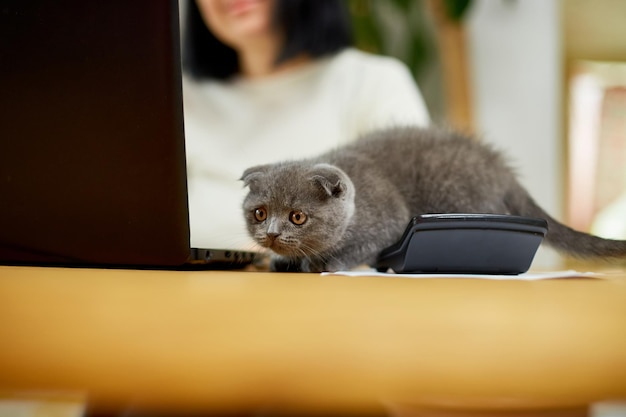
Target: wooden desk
{"x":234,"y":341}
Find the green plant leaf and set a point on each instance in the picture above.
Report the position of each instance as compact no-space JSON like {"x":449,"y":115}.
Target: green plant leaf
{"x":456,"y":9}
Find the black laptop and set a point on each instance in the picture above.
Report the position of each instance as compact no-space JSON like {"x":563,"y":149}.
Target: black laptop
{"x":92,"y":158}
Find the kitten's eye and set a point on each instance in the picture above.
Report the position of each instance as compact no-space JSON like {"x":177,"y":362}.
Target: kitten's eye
{"x":297,"y":217}
{"x":260,"y":214}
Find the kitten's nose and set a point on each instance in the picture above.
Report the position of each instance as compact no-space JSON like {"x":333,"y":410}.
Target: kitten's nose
{"x":273,"y":235}
{"x":273,"y":231}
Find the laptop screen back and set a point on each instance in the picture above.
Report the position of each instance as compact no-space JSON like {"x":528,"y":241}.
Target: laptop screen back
{"x":92,"y":161}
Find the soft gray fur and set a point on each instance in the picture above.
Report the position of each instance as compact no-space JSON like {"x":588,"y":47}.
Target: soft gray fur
{"x":359,"y":199}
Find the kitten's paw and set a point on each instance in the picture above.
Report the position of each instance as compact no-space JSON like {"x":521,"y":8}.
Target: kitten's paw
{"x":280,"y":264}
{"x":335,"y":265}
{"x":314,"y":266}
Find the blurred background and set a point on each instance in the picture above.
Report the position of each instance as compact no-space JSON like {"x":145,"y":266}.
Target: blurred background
{"x":544,"y":80}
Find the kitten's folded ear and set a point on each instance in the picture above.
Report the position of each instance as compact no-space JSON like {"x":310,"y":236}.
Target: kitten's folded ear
{"x":331,"y":180}
{"x":252,"y":176}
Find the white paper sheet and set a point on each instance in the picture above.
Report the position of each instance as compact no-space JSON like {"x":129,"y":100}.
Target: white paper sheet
{"x":528,"y":276}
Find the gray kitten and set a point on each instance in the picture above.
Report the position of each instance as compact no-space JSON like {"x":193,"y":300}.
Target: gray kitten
{"x":340,"y":209}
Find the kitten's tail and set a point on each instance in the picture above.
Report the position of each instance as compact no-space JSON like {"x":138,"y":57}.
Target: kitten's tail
{"x":563,"y":238}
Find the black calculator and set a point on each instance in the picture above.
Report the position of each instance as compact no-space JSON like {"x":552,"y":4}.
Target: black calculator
{"x":465,"y":244}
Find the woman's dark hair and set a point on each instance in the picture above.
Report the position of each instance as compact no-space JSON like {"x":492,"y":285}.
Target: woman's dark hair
{"x":314,"y":27}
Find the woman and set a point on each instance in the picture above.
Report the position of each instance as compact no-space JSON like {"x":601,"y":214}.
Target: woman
{"x":267,"y":80}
